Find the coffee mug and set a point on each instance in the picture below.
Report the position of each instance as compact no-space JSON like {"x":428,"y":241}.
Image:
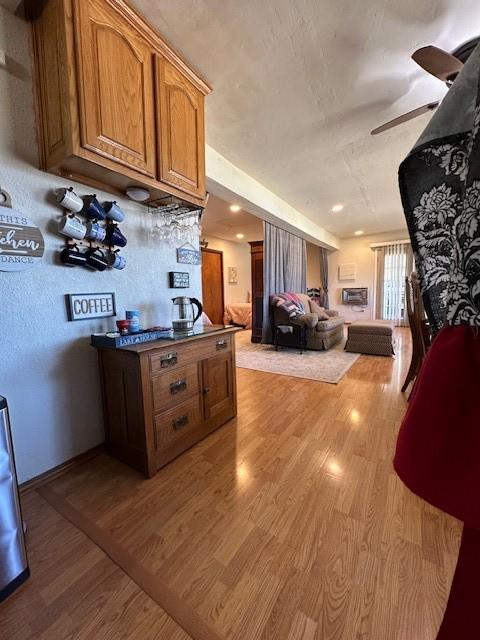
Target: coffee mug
{"x":116,"y":261}
{"x":113,"y":211}
{"x":73,"y":256}
{"x":95,"y":232}
{"x":72,"y":227}
{"x":93,"y":209}
{"x":68,"y":199}
{"x":96,"y":260}
{"x":115,"y":236}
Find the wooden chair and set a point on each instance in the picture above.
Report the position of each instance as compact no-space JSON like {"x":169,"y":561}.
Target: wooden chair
{"x":418,"y":327}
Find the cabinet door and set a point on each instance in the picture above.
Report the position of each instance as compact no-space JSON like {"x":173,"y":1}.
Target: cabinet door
{"x":116,"y":87}
{"x":181,"y":152}
{"x":218,"y":385}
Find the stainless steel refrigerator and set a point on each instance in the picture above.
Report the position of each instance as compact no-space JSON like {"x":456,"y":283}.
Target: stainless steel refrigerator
{"x":13,"y":558}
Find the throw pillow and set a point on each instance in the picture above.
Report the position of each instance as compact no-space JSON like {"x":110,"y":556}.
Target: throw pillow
{"x":320,"y":311}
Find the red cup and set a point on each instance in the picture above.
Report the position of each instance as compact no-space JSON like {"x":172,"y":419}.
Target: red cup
{"x":123,"y":326}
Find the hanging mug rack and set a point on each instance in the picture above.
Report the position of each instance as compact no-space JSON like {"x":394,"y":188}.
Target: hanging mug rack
{"x":95,"y":242}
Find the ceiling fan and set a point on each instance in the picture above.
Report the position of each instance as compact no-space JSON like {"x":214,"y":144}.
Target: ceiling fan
{"x":444,"y":66}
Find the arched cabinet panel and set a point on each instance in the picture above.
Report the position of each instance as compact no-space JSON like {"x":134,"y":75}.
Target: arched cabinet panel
{"x":116,"y":88}
{"x":180,"y":122}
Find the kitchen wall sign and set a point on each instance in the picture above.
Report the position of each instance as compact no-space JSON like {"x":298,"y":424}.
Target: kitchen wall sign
{"x":187,"y":254}
{"x":21,"y":242}
{"x":178,"y":280}
{"x":85,"y":306}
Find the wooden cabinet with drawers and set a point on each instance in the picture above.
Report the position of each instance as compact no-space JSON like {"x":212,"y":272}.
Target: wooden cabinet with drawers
{"x":161,"y":398}
{"x":117,"y":107}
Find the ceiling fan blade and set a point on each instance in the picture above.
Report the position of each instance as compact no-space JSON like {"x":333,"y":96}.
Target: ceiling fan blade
{"x":405,"y":118}
{"x":438,"y":62}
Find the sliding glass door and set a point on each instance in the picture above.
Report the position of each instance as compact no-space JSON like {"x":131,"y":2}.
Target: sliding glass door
{"x":394,"y":263}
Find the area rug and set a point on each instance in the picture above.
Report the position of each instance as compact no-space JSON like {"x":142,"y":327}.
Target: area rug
{"x":325,"y":366}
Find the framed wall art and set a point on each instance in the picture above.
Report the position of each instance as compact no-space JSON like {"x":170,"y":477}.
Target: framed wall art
{"x":85,"y":306}
{"x":178,"y":280}
{"x":232,"y":275}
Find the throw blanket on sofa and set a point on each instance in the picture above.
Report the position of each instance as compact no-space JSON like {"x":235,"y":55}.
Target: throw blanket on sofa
{"x":438,"y":447}
{"x":290,"y":303}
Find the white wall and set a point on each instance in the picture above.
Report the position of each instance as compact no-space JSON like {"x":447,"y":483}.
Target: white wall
{"x":357,"y":250}
{"x":48,"y":371}
{"x":235,"y":254}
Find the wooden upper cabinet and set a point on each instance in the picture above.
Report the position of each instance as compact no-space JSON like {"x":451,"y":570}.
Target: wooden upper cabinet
{"x":116,"y":105}
{"x":180,"y":123}
{"x":116,"y":87}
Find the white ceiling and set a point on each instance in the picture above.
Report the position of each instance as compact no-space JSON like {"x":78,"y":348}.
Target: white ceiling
{"x":220,"y":222}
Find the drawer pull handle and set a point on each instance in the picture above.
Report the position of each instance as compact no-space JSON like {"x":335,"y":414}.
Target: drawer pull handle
{"x":180,"y":422}
{"x":178,"y":385}
{"x":168,"y":361}
{"x":221,"y":344}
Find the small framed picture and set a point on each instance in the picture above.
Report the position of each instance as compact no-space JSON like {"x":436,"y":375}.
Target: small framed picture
{"x":232,"y":275}
{"x":178,"y":280}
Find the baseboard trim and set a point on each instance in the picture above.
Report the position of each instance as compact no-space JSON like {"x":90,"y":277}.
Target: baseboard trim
{"x":59,"y":470}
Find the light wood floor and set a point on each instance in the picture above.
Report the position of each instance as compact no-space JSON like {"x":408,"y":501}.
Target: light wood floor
{"x":287,"y":524}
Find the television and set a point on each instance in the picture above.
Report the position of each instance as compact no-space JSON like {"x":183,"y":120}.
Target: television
{"x":355,"y":295}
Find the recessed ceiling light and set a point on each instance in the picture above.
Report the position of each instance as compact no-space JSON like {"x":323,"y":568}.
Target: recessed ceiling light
{"x":337,"y":207}
{"x":240,"y":236}
{"x":234,"y":208}
{"x":358,"y":233}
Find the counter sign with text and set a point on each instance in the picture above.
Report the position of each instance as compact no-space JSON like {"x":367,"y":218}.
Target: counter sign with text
{"x":85,"y":306}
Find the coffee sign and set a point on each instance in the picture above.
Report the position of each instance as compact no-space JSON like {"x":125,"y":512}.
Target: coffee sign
{"x":86,"y":306}
{"x":21,"y":241}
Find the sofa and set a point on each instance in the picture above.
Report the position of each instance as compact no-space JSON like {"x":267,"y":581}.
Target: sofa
{"x":322,"y":334}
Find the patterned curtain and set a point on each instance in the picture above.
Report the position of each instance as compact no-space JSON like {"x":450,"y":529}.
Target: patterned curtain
{"x":324,"y":277}
{"x":284,"y":268}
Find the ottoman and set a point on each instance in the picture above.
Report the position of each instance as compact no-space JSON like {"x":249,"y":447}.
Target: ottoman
{"x":371,"y":337}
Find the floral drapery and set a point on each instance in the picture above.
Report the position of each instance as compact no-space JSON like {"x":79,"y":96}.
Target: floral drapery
{"x":444,"y":225}
{"x":438,"y":446}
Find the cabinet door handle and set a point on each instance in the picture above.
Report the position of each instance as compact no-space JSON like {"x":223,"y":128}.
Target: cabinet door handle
{"x":206,"y":390}
{"x":168,"y":361}
{"x":221,"y":344}
{"x":178,"y":385}
{"x":180,"y":422}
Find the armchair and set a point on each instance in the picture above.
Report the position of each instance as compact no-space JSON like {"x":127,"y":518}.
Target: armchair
{"x":321,"y":333}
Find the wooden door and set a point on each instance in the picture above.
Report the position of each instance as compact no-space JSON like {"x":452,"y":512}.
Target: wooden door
{"x":180,"y":123}
{"x":218,"y":389}
{"x":256,"y":249}
{"x":116,"y":87}
{"x":212,"y":285}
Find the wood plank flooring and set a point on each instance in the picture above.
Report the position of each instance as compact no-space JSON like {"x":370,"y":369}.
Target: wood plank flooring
{"x":287,"y":524}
